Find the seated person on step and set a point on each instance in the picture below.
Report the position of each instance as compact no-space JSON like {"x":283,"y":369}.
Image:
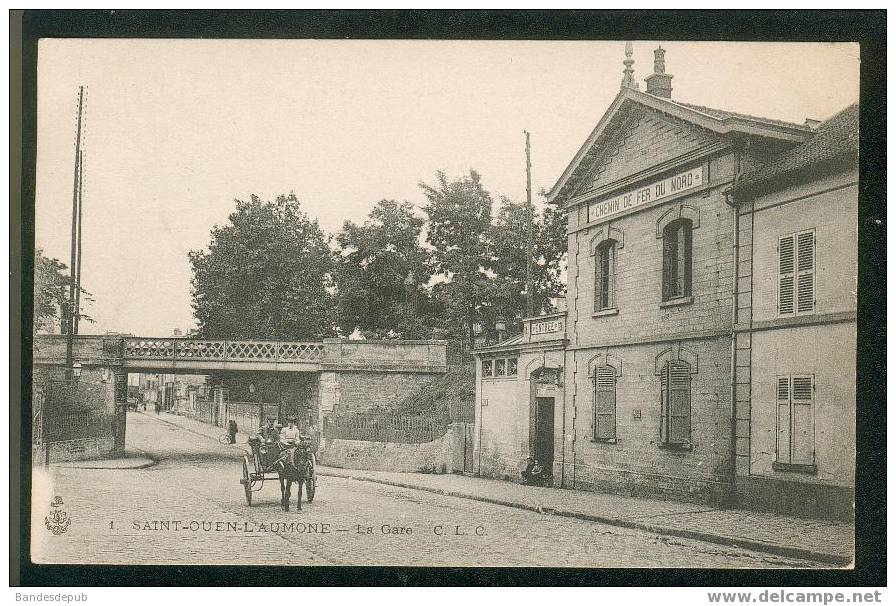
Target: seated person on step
{"x":533,"y":473}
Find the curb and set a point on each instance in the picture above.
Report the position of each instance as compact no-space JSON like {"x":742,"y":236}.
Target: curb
{"x":770,"y":548}
{"x":99,"y":463}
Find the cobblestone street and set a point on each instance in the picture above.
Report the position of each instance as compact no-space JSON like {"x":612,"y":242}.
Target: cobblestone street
{"x":190,"y":509}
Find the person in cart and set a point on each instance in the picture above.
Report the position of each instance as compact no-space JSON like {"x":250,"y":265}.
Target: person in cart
{"x":290,"y":435}
{"x":267,"y":443}
{"x":268,"y":433}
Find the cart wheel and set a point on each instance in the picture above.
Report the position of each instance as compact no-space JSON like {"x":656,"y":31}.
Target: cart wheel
{"x":246,"y":481}
{"x":310,"y":481}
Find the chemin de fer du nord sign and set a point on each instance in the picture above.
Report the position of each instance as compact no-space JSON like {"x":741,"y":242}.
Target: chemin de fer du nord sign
{"x":649,"y":193}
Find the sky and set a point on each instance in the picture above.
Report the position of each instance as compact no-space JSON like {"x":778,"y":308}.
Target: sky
{"x":175,"y":130}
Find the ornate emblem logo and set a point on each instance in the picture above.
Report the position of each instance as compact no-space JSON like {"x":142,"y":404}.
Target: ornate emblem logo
{"x":58,"y":521}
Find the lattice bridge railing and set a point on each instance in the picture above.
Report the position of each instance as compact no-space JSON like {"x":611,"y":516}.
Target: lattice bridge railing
{"x":139,"y":348}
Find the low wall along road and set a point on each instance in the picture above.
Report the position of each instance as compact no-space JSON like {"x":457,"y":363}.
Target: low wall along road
{"x":436,"y":456}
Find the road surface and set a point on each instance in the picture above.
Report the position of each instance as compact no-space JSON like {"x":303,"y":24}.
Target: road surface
{"x":190,"y":509}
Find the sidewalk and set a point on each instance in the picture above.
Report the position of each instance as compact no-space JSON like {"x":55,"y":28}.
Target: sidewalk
{"x":820,"y":540}
{"x":130,"y":460}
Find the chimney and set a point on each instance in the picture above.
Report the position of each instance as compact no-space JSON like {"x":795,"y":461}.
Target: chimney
{"x":659,"y":83}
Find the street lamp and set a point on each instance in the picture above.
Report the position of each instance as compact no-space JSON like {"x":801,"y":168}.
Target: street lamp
{"x":500,"y":327}
{"x":478,"y":335}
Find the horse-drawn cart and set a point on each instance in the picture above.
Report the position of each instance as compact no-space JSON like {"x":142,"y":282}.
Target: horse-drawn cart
{"x":262,"y":464}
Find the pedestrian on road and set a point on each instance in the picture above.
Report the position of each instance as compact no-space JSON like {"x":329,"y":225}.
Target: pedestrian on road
{"x":231,"y":430}
{"x":313,"y":434}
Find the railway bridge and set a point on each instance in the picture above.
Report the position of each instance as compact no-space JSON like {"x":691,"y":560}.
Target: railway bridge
{"x":337,"y":376}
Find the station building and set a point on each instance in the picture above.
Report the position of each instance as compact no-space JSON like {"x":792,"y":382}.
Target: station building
{"x":666,"y":375}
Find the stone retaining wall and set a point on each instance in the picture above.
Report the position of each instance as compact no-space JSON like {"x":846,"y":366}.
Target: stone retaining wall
{"x":435,"y":457}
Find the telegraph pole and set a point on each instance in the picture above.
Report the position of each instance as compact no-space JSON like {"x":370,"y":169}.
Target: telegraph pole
{"x":77,"y":315}
{"x":70,"y":321}
{"x":530,"y":252}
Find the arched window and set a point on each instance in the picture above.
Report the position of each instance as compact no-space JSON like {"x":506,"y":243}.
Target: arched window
{"x":677,"y":263}
{"x":675,"y":393}
{"x":604,"y":275}
{"x":605,"y":403}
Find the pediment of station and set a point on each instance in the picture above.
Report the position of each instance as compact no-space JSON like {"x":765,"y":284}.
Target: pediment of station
{"x":641,"y":139}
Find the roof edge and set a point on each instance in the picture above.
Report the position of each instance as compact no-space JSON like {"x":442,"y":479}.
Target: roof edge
{"x":748,"y":190}
{"x":794,"y":133}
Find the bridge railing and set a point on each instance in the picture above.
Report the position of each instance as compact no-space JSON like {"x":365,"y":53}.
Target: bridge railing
{"x":148,"y":348}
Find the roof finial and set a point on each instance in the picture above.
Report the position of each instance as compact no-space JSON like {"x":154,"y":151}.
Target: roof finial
{"x":628,"y":80}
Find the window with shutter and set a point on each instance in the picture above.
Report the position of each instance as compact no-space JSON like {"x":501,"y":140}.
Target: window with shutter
{"x":605,"y":403}
{"x":796,"y":422}
{"x":783,"y":437}
{"x":803,"y":424}
{"x":785,"y":275}
{"x":604,"y":275}
{"x":805,"y":281}
{"x":677,"y":261}
{"x":675,"y":390}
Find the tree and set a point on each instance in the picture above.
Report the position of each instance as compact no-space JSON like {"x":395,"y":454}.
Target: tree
{"x":551,"y":244}
{"x":51,"y":294}
{"x":459,"y":215}
{"x":380,"y":268}
{"x":504,"y":294}
{"x":266,"y":275}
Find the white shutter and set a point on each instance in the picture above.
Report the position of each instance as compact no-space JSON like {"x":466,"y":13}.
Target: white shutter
{"x":803,"y":423}
{"x":784,"y":420}
{"x":805,"y":272}
{"x":785,"y":275}
{"x":664,"y":405}
{"x":605,"y":403}
{"x":680,"y":404}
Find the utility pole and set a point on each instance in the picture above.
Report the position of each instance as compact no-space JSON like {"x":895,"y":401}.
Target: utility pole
{"x":77,"y":315}
{"x":530,"y":252}
{"x":70,"y":320}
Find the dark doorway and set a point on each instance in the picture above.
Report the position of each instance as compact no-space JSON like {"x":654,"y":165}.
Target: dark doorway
{"x":544,"y":433}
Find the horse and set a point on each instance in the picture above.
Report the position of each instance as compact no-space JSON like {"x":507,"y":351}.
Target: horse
{"x":294,"y":465}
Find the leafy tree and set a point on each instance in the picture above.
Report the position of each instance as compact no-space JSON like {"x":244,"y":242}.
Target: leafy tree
{"x":459,"y":215}
{"x":267,"y":274}
{"x":380,"y":267}
{"x":51,"y":294}
{"x":551,"y":244}
{"x":504,"y":294}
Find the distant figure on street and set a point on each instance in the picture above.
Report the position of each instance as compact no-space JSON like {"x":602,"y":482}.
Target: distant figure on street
{"x":313,"y":434}
{"x":158,"y":409}
{"x":231,"y":431}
